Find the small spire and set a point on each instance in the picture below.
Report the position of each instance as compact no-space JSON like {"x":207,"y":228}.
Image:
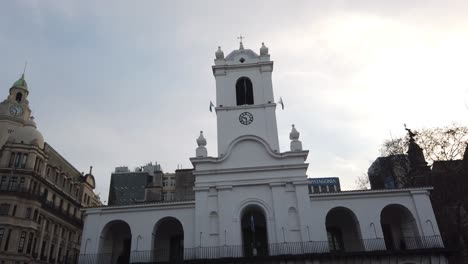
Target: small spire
{"x":90,"y":170}
{"x":24,"y":70}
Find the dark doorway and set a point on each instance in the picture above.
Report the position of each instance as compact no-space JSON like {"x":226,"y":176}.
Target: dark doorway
{"x":254,"y":232}
{"x":399,"y":228}
{"x":116,"y":243}
{"x":344,"y":234}
{"x":168,"y":241}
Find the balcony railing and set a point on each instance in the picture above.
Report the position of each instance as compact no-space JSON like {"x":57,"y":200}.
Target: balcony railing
{"x":310,"y":248}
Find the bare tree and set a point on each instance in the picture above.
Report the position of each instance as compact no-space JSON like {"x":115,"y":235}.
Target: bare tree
{"x":440,"y":143}
{"x":362,"y":182}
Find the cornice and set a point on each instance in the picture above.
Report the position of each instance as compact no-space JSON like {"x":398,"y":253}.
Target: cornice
{"x":364,"y":193}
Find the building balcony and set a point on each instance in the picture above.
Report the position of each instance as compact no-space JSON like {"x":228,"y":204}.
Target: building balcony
{"x":23,"y":192}
{"x":291,"y":250}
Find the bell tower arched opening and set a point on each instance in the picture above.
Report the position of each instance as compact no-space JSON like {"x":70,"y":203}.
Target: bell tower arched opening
{"x":244,"y":91}
{"x":19,"y":97}
{"x":254,"y":232}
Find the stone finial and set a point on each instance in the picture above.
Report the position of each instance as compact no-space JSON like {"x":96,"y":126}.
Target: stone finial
{"x":263,"y":49}
{"x":219,"y":54}
{"x":201,"y":150}
{"x":201,"y":141}
{"x":294,"y":135}
{"x":296,"y":145}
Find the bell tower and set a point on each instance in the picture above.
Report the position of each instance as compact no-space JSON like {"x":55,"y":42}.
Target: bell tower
{"x":16,"y":107}
{"x":244,"y":97}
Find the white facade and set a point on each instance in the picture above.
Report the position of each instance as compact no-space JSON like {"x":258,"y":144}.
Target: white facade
{"x":252,"y":187}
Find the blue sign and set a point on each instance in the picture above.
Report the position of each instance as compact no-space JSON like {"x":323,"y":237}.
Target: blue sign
{"x":324,"y":181}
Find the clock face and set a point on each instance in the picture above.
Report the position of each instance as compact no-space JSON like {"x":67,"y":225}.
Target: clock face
{"x":16,"y":110}
{"x":246,"y":118}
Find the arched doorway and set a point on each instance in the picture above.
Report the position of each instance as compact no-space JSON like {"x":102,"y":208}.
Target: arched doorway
{"x":168,"y":243}
{"x":399,"y":228}
{"x":343,"y":230}
{"x":254,"y":232}
{"x":116,"y":239}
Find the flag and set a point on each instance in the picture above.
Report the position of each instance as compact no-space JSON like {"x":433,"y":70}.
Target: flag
{"x":281,"y":103}
{"x":252,"y":223}
{"x":211,"y":106}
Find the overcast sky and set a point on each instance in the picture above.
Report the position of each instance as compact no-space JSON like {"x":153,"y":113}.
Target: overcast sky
{"x":117,"y":83}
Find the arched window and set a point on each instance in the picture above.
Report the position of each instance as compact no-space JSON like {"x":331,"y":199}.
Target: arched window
{"x":244,"y":91}
{"x":19,"y":96}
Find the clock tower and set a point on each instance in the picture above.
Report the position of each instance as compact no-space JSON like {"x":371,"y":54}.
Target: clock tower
{"x":244,"y":97}
{"x":14,"y":110}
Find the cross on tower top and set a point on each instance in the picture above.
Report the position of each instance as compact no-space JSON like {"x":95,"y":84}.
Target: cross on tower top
{"x":241,"y":38}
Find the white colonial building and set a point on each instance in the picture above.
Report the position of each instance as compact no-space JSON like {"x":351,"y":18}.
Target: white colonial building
{"x":252,"y":201}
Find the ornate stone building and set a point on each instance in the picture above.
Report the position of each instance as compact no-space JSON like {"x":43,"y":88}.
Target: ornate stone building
{"x":41,"y":193}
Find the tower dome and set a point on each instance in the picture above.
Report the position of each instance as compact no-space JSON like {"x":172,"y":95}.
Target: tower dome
{"x":21,"y":83}
{"x":28,"y":134}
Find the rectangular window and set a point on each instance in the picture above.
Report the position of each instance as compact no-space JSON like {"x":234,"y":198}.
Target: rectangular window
{"x":7,"y":240}
{"x":12,"y":160}
{"x":14,"y":210}
{"x":316,"y":189}
{"x":2,"y":233}
{"x":48,"y":171}
{"x":17,"y":160}
{"x":23,"y":162}
{"x":21,"y":242}
{"x":21,"y":184}
{"x":14,"y":182}
{"x":43,"y":248}
{"x":27,"y":215}
{"x":30,"y":240}
{"x":3,"y":184}
{"x":51,"y":253}
{"x":4,"y":209}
